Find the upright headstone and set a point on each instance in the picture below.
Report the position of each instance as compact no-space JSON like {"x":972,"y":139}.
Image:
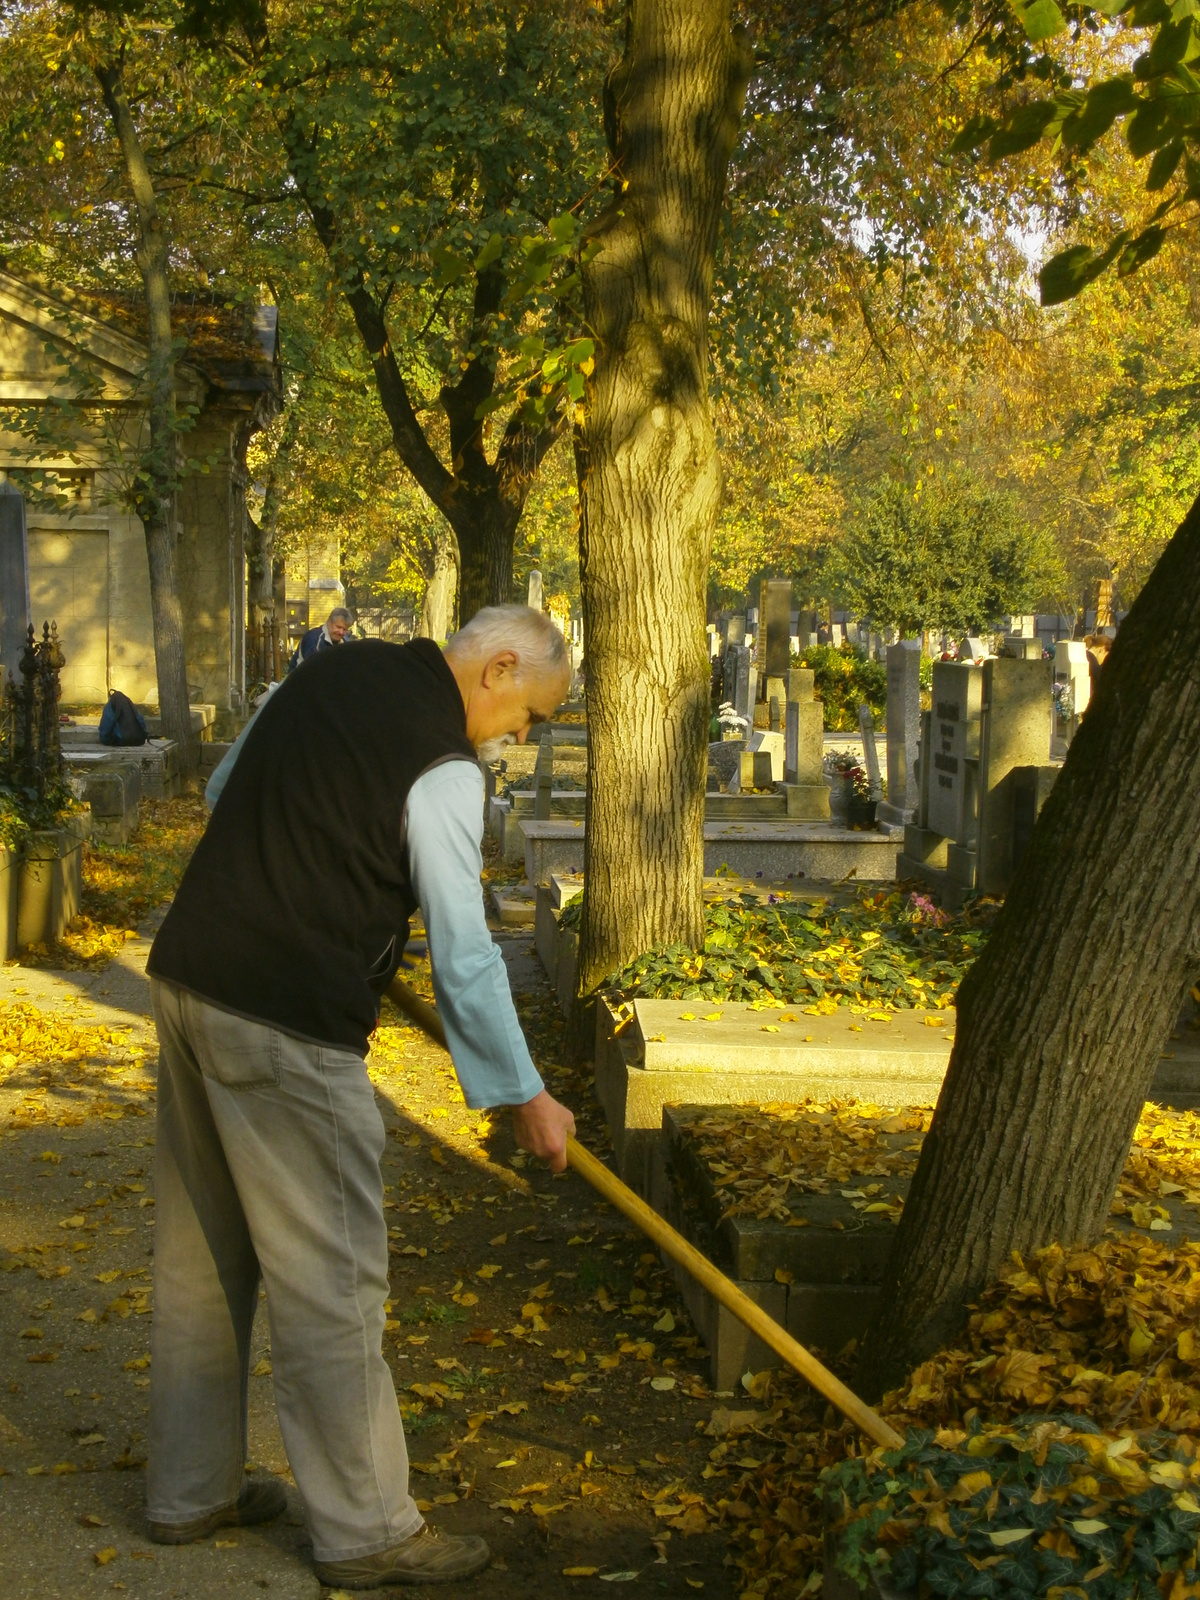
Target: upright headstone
{"x":1016,"y":733}
{"x":535,"y":589}
{"x":735,"y":631}
{"x":903,"y":731}
{"x":804,"y":747}
{"x":776,"y":625}
{"x":14,"y":580}
{"x":743,"y":677}
{"x":866,"y":727}
{"x":954,"y":751}
{"x":543,"y":777}
{"x":1072,"y":693}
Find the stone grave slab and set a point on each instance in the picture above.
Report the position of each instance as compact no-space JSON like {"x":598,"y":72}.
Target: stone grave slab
{"x":954,"y":748}
{"x":903,"y":731}
{"x":838,"y":1048}
{"x":1016,"y":733}
{"x":774,"y":850}
{"x":514,"y":905}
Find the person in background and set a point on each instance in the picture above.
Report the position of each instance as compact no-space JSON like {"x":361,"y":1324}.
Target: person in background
{"x":332,"y":631}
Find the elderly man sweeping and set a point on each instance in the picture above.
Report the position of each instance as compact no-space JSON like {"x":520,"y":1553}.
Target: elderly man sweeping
{"x":357,"y":798}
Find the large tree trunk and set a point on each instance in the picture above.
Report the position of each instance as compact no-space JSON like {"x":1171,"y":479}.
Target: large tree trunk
{"x":649,"y":477}
{"x":156,"y":505}
{"x":1061,"y":1020}
{"x":485,"y":546}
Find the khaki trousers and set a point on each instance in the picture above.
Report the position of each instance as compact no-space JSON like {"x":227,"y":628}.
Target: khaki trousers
{"x":267,"y":1164}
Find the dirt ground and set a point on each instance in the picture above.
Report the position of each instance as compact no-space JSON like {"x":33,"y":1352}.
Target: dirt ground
{"x":560,"y":1396}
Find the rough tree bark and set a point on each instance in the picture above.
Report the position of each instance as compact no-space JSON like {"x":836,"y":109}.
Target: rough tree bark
{"x":482,"y":500}
{"x":1061,"y":1020}
{"x":649,"y":476}
{"x":156,"y":504}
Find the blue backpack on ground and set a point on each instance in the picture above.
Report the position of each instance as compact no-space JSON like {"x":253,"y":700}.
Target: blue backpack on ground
{"x":121,"y":722}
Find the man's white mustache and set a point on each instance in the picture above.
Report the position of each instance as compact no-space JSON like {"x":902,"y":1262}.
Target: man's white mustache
{"x":491,"y":749}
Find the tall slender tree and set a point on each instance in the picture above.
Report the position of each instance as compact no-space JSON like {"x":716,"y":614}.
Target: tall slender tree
{"x":649,"y":477}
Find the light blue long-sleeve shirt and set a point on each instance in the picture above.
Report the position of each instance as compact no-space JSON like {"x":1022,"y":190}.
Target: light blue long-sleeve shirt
{"x":443,"y":830}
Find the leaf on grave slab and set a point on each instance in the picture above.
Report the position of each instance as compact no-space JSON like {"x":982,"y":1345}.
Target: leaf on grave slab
{"x":501,"y":1238}
{"x":580,"y":1572}
{"x":43,"y":1357}
{"x":108,"y":1277}
{"x":513,"y":1408}
{"x":488,"y":1272}
{"x":625,"y":1576}
{"x":103,"y":1557}
{"x":543,"y":1509}
{"x":662,"y":1383}
{"x":782,"y":1275}
{"x":509,"y":1505}
{"x":140,"y":1363}
{"x":262,"y":1370}
{"x":665,"y":1323}
{"x":423,"y":1505}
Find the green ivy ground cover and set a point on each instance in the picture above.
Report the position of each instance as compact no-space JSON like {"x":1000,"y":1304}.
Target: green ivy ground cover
{"x":893,"y":951}
{"x":1048,"y":1506}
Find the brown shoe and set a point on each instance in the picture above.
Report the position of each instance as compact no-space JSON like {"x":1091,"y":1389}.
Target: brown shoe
{"x":260,"y":1500}
{"x":428,"y":1557}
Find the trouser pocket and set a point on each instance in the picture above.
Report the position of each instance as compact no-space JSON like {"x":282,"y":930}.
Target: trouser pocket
{"x":236,"y":1052}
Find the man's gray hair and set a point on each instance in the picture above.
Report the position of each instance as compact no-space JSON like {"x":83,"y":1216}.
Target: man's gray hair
{"x":532,"y":636}
{"x":340,"y":614}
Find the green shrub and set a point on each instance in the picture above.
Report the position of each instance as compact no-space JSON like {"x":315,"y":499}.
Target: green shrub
{"x":843,"y":677}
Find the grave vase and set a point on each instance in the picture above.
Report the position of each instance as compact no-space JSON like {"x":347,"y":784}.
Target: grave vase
{"x":860,"y":813}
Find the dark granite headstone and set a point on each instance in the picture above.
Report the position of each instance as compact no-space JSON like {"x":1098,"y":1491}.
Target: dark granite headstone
{"x":14,"y":578}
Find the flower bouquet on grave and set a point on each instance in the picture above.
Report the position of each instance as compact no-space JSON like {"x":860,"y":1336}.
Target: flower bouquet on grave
{"x":731,"y":725}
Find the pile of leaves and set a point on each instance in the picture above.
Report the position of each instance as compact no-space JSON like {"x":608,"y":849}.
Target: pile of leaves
{"x":761,"y":1160}
{"x":893,"y":951}
{"x":29,"y":1036}
{"x":1110,"y":1331}
{"x":1100,"y":1343}
{"x":1049,"y":1506}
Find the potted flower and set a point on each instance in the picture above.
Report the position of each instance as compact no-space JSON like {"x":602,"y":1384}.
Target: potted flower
{"x":850,"y":790}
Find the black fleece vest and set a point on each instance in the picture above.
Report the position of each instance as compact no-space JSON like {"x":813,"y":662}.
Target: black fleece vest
{"x":294,"y":909}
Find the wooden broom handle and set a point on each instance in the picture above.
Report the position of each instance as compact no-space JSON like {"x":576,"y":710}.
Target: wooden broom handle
{"x":689,"y":1258}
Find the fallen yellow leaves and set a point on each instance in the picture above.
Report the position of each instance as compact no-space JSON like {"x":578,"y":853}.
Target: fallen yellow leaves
{"x":29,"y":1036}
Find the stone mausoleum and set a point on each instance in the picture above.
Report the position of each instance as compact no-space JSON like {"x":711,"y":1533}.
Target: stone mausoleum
{"x":87,"y":552}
